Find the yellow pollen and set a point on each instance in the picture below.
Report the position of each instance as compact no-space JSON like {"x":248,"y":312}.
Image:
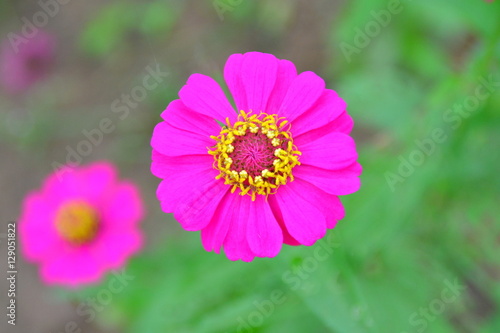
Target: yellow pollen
{"x":77,"y":222}
{"x":256,"y":154}
{"x":266,"y":173}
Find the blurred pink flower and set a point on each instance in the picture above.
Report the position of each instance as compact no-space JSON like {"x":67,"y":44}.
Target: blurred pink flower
{"x":81,"y":224}
{"x":25,"y":61}
{"x":272,"y":174}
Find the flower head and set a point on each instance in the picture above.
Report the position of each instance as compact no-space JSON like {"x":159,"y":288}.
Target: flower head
{"x":25,"y":61}
{"x":80,"y":224}
{"x":266,"y":173}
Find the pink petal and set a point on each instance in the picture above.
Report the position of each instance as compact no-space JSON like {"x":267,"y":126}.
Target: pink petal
{"x":114,"y":249}
{"x":286,"y":74}
{"x":335,"y":212}
{"x":63,"y":185}
{"x":72,"y":268}
{"x":97,"y":181}
{"x":180,"y":116}
{"x":172,"y":141}
{"x":251,"y":78}
{"x":303,"y":218}
{"x":236,"y":244}
{"x":343,"y":124}
{"x":263,"y":231}
{"x":204,"y":95}
{"x":177,"y":186}
{"x":123,"y":209}
{"x":163,"y":166}
{"x":258,"y":74}
{"x":232,"y":76}
{"x":333,"y":151}
{"x":304,"y":91}
{"x":195,"y":211}
{"x":326,"y":109}
{"x":337,"y":182}
{"x":287,"y":238}
{"x":329,"y":204}
{"x":214,"y":234}
{"x":38,"y":235}
{"x":331,"y":223}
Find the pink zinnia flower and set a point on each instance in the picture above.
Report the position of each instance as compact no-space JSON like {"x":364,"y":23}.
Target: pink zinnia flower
{"x":25,"y":61}
{"x":82,"y":223}
{"x":271,"y":173}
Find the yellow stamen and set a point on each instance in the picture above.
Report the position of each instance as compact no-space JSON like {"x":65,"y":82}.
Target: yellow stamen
{"x":275,"y":133}
{"x":77,"y":222}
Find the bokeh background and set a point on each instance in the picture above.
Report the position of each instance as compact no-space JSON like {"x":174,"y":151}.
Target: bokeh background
{"x":418,"y":250}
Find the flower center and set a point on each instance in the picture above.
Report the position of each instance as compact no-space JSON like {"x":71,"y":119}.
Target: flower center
{"x":77,"y":222}
{"x":256,"y":154}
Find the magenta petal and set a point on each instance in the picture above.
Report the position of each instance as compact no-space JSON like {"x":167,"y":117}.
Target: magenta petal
{"x":343,"y":124}
{"x":172,"y":141}
{"x":304,"y":91}
{"x":326,"y":109}
{"x":72,"y":268}
{"x":258,"y":74}
{"x":123,"y":209}
{"x":178,"y":185}
{"x":164,"y":166}
{"x":287,"y":238}
{"x":251,"y":78}
{"x":333,"y":151}
{"x":263,"y":232}
{"x":180,"y":116}
{"x":114,"y":249}
{"x":334,"y":212}
{"x":331,"y":222}
{"x":38,"y":235}
{"x":98,"y":178}
{"x":181,"y":175}
{"x":195,"y":210}
{"x":234,"y":82}
{"x":62,"y":185}
{"x":214,"y":234}
{"x":329,"y":204}
{"x":303,"y":219}
{"x":236,"y":244}
{"x":284,"y":78}
{"x":337,"y":182}
{"x":204,"y":95}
